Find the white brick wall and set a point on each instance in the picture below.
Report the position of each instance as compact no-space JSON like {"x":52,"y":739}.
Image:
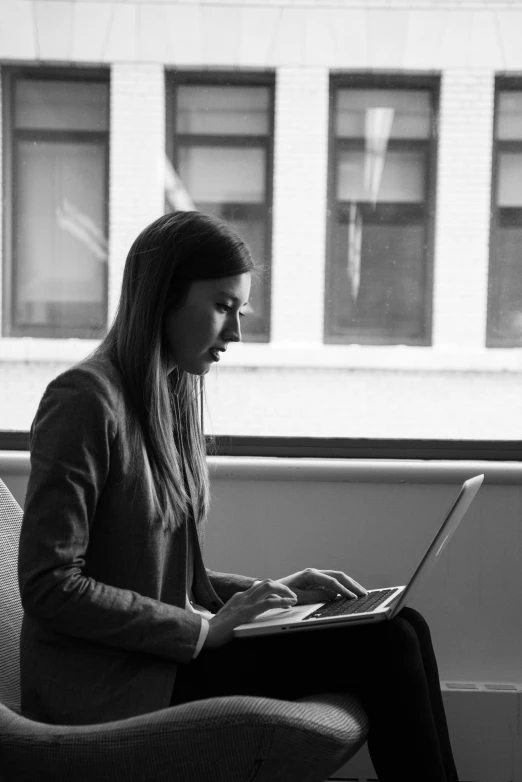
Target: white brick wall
{"x":362,"y":403}
{"x":300,"y":178}
{"x":1,"y":205}
{"x":463,"y":207}
{"x":21,"y":387}
{"x":137,"y":146}
{"x":360,"y":34}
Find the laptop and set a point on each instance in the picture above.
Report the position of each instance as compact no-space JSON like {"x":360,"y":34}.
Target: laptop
{"x":379,"y":604}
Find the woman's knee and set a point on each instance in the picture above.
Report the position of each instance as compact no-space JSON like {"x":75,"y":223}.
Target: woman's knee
{"x":418,"y":622}
{"x":403,"y":643}
{"x":396,"y":638}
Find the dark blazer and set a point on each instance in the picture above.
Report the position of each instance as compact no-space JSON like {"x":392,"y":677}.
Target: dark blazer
{"x":103,"y":585}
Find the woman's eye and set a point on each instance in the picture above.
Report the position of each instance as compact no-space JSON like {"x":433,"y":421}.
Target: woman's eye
{"x":228,"y":308}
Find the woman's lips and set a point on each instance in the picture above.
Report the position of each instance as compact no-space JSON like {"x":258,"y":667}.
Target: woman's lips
{"x":215,"y":354}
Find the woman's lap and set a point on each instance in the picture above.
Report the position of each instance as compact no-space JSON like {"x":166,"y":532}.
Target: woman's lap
{"x":287,"y":666}
{"x":390,"y":666}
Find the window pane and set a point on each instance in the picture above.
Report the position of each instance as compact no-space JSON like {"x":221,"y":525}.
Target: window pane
{"x":60,"y":240}
{"x":507,"y":304}
{"x":61,"y":105}
{"x":377,"y":272}
{"x":359,"y":110}
{"x":223,"y":174}
{"x":509,"y":116}
{"x":222,"y":110}
{"x":504,"y":324}
{"x":393,"y":176}
{"x":509,"y":192}
{"x":377,"y":289}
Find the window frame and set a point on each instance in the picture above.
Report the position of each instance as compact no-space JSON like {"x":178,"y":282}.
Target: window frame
{"x":390,"y":81}
{"x":502,"y":84}
{"x":223,"y":78}
{"x":10,"y":137}
{"x":336,"y":448}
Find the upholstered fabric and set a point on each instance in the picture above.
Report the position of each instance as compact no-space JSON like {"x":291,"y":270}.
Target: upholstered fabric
{"x":232,"y":739}
{"x":11,"y":612}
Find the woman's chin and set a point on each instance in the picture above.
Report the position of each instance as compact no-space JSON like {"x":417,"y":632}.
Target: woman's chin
{"x":200,"y":370}
{"x":198,"y":367}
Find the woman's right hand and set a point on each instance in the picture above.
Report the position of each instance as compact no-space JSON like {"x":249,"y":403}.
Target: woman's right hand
{"x":244,"y":606}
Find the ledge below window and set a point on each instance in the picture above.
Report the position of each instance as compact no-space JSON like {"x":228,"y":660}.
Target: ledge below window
{"x":329,"y":470}
{"x":291,"y":355}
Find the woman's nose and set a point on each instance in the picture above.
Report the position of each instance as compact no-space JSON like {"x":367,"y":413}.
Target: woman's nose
{"x":233,"y":330}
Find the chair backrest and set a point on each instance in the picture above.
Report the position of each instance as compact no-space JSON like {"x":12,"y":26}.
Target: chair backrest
{"x":11,"y":611}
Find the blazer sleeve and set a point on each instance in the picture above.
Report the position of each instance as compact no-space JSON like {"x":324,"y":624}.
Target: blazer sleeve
{"x":227,"y":584}
{"x":71,"y":442}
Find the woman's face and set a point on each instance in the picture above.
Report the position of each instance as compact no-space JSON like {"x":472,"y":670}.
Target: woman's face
{"x":206,"y":322}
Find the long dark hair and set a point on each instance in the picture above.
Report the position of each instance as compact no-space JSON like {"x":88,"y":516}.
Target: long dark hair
{"x":167,"y":256}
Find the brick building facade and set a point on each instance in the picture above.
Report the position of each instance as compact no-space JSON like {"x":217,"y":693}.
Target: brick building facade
{"x":454,"y":386}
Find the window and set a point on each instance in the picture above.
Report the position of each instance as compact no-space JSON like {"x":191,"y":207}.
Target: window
{"x":56,"y":195}
{"x":219,"y":161}
{"x":505,"y":269}
{"x":380,"y":204}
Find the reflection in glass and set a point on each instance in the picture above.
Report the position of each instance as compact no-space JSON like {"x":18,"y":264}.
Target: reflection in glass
{"x":61,"y":246}
{"x":412,"y":114}
{"x":507,"y":325}
{"x":509,"y":185}
{"x":504,"y":327}
{"x":223,"y":174}
{"x":385,"y":296}
{"x":61,"y":105}
{"x":177,"y":196}
{"x":217,"y":110}
{"x":400,"y":178}
{"x":377,"y":280}
{"x":509,"y":116}
{"x":59,"y":251}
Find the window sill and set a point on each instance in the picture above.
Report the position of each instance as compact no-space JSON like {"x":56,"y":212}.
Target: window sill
{"x":24,"y":349}
{"x":365,"y":357}
{"x":362,"y":470}
{"x":244,"y":468}
{"x":282,"y":355}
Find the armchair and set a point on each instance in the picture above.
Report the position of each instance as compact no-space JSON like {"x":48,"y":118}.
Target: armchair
{"x":230,"y":739}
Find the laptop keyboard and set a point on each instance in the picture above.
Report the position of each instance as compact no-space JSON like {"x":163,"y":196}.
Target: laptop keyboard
{"x":341,"y":606}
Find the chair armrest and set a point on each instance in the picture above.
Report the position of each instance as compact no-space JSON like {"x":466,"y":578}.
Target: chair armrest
{"x":227,"y":739}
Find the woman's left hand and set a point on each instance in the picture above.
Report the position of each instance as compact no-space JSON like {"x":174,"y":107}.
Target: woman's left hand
{"x":313,"y":586}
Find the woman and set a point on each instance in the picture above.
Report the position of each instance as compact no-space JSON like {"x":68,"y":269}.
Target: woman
{"x":121,"y":616}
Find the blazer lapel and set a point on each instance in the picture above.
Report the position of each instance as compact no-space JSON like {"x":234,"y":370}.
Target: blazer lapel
{"x":203,"y":591}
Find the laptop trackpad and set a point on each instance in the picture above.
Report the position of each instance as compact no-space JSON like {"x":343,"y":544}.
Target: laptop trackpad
{"x":281,"y":616}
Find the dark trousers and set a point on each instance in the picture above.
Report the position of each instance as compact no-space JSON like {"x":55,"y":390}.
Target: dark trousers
{"x":390,"y":666}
